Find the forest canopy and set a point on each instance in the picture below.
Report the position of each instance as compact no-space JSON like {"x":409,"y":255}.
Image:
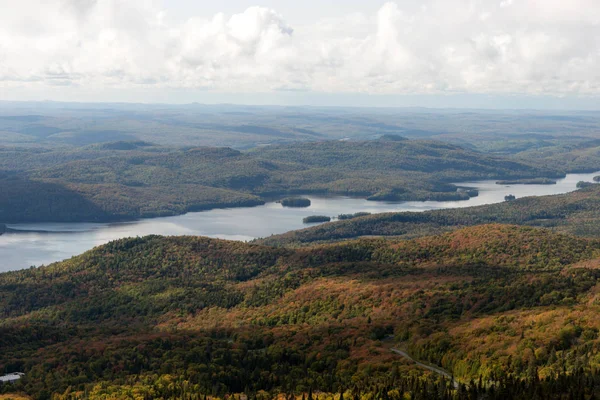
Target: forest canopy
{"x":220,"y":317}
{"x":127,"y":180}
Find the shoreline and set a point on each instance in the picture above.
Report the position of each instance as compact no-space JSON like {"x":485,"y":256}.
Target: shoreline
{"x":264,"y":198}
{"x":254,"y":223}
{"x":320,"y":194}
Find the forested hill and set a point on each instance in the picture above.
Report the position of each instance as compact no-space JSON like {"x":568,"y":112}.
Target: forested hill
{"x":395,"y":153}
{"x":126,"y":180}
{"x":576,"y":213}
{"x":186,"y":317}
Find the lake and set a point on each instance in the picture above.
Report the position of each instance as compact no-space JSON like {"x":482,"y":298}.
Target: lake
{"x":64,"y":240}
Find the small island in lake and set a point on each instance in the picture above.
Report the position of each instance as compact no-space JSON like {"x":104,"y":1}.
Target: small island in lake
{"x":533,"y":181}
{"x":471,"y":192}
{"x":316,"y":218}
{"x":295,"y":202}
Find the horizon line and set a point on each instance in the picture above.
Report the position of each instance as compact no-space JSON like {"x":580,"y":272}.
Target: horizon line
{"x":272,"y":105}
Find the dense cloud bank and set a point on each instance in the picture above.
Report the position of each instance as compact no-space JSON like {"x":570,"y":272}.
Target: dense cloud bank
{"x":432,"y":46}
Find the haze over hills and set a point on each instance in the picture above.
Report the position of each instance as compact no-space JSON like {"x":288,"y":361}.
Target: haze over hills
{"x":500,"y":131}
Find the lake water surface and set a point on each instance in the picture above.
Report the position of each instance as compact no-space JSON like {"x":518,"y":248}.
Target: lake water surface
{"x":64,"y":240}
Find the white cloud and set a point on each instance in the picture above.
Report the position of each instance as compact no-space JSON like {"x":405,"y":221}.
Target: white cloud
{"x":433,"y":46}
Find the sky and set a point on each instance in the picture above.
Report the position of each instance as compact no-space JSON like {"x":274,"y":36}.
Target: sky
{"x":430,"y":53}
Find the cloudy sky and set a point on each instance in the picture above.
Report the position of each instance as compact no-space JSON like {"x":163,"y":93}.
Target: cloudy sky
{"x":489,"y":53}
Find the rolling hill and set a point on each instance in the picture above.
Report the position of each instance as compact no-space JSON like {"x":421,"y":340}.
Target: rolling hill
{"x":127,"y":180}
{"x":186,"y":317}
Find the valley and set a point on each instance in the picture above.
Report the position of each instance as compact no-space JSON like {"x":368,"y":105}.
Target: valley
{"x":166,"y":265}
{"x":299,"y":200}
